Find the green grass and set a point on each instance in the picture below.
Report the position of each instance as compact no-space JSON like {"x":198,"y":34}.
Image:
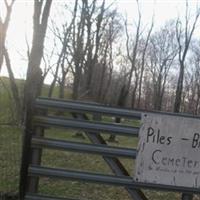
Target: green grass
{"x":6,"y":104}
{"x":10,"y":157}
{"x":10,"y":151}
{"x":10,"y":148}
{"x":92,"y":163}
{"x":55,"y":94}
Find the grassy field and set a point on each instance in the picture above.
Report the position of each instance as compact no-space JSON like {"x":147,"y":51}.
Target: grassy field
{"x":10,"y":143}
{"x":92,"y":163}
{"x":7,"y":109}
{"x":10,"y":152}
{"x":6,"y":104}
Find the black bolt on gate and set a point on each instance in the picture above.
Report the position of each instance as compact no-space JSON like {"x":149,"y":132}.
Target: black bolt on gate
{"x":35,"y":141}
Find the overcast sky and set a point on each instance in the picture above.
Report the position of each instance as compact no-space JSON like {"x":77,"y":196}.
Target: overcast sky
{"x":21,"y":22}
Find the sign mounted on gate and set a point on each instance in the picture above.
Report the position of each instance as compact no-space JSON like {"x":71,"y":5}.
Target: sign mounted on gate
{"x":169,"y":151}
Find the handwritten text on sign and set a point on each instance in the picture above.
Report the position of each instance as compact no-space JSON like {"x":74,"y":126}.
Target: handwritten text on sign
{"x":169,"y":151}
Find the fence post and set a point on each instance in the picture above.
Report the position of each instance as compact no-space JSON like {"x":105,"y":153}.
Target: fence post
{"x":26,"y":143}
{"x":29,"y":155}
{"x":36,"y":154}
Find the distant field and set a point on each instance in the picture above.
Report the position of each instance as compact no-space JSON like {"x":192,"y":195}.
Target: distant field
{"x":6,"y":103}
{"x":7,"y":108}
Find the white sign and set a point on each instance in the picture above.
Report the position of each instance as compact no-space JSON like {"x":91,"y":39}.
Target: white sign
{"x":169,"y":151}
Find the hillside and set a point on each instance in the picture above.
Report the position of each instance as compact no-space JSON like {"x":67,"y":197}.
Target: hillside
{"x":7,"y":109}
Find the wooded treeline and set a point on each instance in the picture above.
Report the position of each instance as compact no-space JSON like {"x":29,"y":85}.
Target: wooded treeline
{"x":99,"y":55}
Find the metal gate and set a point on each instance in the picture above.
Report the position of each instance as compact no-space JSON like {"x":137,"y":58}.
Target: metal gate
{"x":35,"y":141}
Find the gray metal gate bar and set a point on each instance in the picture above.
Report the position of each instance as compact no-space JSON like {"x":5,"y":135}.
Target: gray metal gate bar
{"x":84,"y":148}
{"x":86,"y":107}
{"x":127,"y":181}
{"x":43,"y":197}
{"x":87,"y":126}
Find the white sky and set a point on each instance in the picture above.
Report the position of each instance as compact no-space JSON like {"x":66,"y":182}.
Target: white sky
{"x":21,"y":22}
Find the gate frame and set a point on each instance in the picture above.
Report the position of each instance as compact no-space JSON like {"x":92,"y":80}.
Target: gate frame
{"x":77,"y":110}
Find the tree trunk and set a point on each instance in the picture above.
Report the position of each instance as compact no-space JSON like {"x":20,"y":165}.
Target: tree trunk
{"x":121,"y":103}
{"x":158,"y":93}
{"x":143,"y":64}
{"x":108,"y":85}
{"x":101,"y":84}
{"x":140,"y":87}
{"x":51,"y":88}
{"x":134,"y":91}
{"x":61,"y":91}
{"x":134,"y":96}
{"x":62,"y":86}
{"x":198,"y":100}
{"x":33,"y":84}
{"x":14,"y":88}
{"x":89,"y":77}
{"x":179,"y":89}
{"x":76,"y":84}
{"x":112,"y":137}
{"x":158,"y":102}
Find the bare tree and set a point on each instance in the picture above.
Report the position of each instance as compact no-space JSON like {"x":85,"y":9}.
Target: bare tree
{"x":48,"y":64}
{"x":184,"y":35}
{"x":162,"y":53}
{"x":33,"y":84}
{"x":144,"y":50}
{"x":5,"y":54}
{"x":64,"y":37}
{"x":87,"y":41}
{"x":111,"y":33}
{"x":132,"y":49}
{"x":14,"y":88}
{"x":192,"y":81}
{"x":34,"y":73}
{"x":4,"y":28}
{"x":78,"y":46}
{"x":196,"y":61}
{"x":92,"y":58}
